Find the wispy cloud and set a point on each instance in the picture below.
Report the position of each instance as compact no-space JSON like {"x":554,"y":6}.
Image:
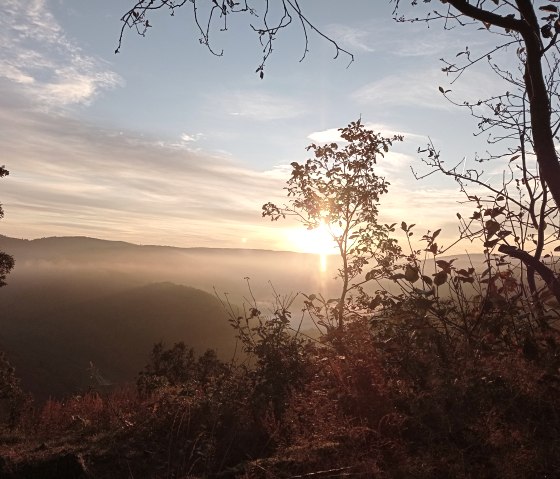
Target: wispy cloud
{"x":378,"y":35}
{"x":259,"y":106}
{"x":351,"y":38}
{"x":36,"y":54}
{"x":68,"y":177}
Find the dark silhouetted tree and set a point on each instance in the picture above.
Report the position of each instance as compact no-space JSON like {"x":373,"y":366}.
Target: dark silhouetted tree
{"x":339,"y":188}
{"x":519,"y":216}
{"x":12,"y":398}
{"x":6,"y":261}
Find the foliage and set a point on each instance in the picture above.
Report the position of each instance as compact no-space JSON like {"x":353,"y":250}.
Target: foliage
{"x":12,"y":397}
{"x":276,"y":356}
{"x":459,"y":384}
{"x":338,"y":188}
{"x":452,"y":374}
{"x":6,"y":261}
{"x":178,"y":366}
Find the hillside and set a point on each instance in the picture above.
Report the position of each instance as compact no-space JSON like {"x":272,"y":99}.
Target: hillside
{"x":51,"y":335}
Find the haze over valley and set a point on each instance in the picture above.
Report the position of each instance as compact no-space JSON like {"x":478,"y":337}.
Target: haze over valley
{"x":74,"y":300}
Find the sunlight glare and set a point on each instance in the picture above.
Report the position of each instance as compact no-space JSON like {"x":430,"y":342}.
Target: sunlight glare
{"x":317,"y":241}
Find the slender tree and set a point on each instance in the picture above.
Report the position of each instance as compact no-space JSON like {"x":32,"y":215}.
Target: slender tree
{"x":338,"y":188}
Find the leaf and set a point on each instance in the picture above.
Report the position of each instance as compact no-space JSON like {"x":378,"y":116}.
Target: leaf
{"x":444,"y":265}
{"x":492,"y":227}
{"x":491,"y":243}
{"x":375,"y":302}
{"x":549,"y":8}
{"x":440,"y":278}
{"x":411,"y":273}
{"x":427,"y":280}
{"x":546,"y":31}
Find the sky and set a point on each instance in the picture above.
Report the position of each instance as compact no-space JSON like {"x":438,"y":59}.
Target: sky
{"x":165,"y":143}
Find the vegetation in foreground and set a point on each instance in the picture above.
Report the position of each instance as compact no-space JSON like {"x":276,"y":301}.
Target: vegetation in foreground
{"x":394,"y":398}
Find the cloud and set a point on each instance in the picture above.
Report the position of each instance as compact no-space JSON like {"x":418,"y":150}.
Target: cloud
{"x":350,"y":38}
{"x":259,"y":106}
{"x":186,"y":138}
{"x":37,"y":55}
{"x":333,"y":134}
{"x":408,"y":41}
{"x":69,"y":178}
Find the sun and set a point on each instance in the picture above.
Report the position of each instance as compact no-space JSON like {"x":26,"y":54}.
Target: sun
{"x":319,"y":241}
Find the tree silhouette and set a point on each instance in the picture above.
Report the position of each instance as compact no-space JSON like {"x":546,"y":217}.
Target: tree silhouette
{"x":339,"y":188}
{"x":6,"y":261}
{"x":520,"y":216}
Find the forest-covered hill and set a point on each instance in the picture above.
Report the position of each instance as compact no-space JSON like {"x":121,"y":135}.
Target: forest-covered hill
{"x":51,"y":333}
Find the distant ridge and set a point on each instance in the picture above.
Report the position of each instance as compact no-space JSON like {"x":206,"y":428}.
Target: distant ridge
{"x":83,"y":240}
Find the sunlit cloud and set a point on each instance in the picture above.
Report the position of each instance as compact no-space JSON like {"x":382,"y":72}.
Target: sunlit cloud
{"x":36,"y":54}
{"x":333,"y":134}
{"x":129,"y":187}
